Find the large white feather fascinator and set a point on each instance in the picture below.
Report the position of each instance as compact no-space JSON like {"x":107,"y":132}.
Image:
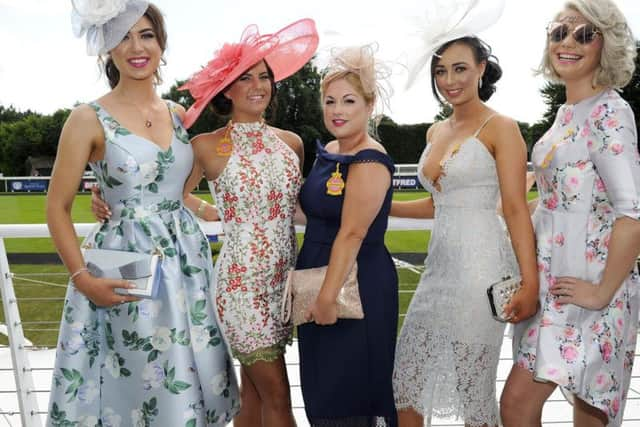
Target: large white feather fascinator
{"x":105,"y":22}
{"x":374,"y":74}
{"x":447,"y":20}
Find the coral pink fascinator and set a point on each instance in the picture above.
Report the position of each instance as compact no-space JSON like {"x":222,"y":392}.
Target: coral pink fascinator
{"x":286,"y":51}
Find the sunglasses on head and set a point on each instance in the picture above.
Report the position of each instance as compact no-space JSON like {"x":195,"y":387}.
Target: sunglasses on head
{"x":583,"y":33}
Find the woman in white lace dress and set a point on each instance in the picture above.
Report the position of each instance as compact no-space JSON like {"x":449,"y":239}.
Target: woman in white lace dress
{"x":587,"y":226}
{"x":448,"y":349}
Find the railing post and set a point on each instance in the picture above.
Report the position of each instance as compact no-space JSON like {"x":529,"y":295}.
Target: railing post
{"x":21,"y":368}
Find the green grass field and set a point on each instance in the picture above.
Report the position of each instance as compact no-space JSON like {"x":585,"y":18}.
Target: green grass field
{"x":30,"y":209}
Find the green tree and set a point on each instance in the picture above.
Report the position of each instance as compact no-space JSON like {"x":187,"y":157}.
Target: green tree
{"x":631,"y":92}
{"x":10,"y":114}
{"x":444,"y":113}
{"x":32,"y":135}
{"x":299,"y":110}
{"x":525,"y":130}
{"x":404,"y":143}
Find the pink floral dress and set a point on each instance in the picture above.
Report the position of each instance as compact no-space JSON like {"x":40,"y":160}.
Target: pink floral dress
{"x":588,"y":175}
{"x":256,"y":195}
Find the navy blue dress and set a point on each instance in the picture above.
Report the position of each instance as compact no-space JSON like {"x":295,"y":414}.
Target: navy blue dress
{"x":346,"y":368}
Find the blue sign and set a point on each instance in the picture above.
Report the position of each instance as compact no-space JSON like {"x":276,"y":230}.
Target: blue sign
{"x":28,"y":185}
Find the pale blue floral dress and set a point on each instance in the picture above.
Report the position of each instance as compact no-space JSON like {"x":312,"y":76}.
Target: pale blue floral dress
{"x":160,"y":362}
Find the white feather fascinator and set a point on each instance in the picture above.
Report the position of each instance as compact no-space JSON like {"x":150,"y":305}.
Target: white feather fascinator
{"x":447,"y":20}
{"x":105,"y":22}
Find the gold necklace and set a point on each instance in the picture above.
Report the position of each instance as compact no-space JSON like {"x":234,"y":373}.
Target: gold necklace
{"x":147,"y":121}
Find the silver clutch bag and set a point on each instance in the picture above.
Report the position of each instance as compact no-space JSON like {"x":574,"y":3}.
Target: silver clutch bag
{"x":143,"y":270}
{"x":500,"y":294}
{"x":302,"y":289}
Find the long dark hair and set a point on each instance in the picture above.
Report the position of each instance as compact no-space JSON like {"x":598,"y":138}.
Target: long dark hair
{"x":481,"y":52}
{"x":154,"y":16}
{"x":223,"y":106}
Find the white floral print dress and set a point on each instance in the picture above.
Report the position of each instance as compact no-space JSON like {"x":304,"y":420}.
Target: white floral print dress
{"x":588,"y":174}
{"x":157,"y":362}
{"x":256,"y":195}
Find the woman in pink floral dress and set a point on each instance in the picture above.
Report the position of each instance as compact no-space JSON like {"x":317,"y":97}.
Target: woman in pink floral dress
{"x":255,"y":175}
{"x":587,"y":226}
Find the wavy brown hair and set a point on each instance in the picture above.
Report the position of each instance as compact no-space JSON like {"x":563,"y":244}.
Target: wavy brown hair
{"x":154,"y":15}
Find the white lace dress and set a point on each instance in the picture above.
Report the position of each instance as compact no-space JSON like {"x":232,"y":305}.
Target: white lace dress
{"x":448,"y":349}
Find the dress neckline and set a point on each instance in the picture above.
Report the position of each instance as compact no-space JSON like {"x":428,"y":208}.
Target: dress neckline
{"x":343,"y":157}
{"x":147,"y":140}
{"x":585,"y":100}
{"x":445,"y":162}
{"x":260,"y":125}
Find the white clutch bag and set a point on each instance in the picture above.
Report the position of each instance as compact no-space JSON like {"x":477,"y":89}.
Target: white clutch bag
{"x":500,"y":294}
{"x":143,"y":270}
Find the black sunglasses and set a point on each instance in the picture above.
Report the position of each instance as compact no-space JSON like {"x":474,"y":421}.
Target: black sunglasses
{"x":583,"y":34}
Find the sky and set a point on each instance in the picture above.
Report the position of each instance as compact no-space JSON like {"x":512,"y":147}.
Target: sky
{"x":43,"y":67}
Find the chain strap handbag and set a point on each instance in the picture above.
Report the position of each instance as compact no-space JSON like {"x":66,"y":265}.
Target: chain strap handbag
{"x":500,"y":294}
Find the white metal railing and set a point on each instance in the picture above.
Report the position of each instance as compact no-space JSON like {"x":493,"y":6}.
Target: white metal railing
{"x":21,"y":369}
{"x":557,"y":410}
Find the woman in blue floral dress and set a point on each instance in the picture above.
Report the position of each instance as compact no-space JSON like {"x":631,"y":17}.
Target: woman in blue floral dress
{"x":122,"y":361}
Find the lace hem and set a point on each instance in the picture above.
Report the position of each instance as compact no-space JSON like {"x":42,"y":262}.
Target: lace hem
{"x":438,"y":376}
{"x":265,"y":354}
{"x":448,"y":416}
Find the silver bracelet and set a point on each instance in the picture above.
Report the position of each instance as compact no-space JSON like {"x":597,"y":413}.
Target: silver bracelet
{"x":201,"y":208}
{"x":77,"y":273}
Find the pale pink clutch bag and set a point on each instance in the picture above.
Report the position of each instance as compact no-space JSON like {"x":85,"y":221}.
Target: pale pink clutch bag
{"x":302,"y":289}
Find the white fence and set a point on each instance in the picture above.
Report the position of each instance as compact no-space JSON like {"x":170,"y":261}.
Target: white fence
{"x":31,"y":369}
{"x":405,"y":177}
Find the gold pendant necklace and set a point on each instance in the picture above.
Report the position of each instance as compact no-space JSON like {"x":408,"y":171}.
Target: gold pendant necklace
{"x":225,"y":145}
{"x":146,"y":117}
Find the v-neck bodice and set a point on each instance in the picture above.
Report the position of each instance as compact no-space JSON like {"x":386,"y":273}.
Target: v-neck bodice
{"x":136,"y":176}
{"x":468,"y":179}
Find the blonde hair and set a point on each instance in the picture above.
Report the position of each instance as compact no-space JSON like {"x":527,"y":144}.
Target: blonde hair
{"x":358,"y":66}
{"x":618,"y":54}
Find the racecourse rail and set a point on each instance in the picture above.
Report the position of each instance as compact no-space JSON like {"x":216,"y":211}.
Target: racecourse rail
{"x":32,"y":396}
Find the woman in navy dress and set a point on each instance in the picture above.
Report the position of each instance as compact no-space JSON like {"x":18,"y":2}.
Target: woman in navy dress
{"x":346,"y":365}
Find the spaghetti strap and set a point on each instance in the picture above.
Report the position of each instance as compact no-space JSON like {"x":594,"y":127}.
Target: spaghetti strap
{"x":475,"y":135}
